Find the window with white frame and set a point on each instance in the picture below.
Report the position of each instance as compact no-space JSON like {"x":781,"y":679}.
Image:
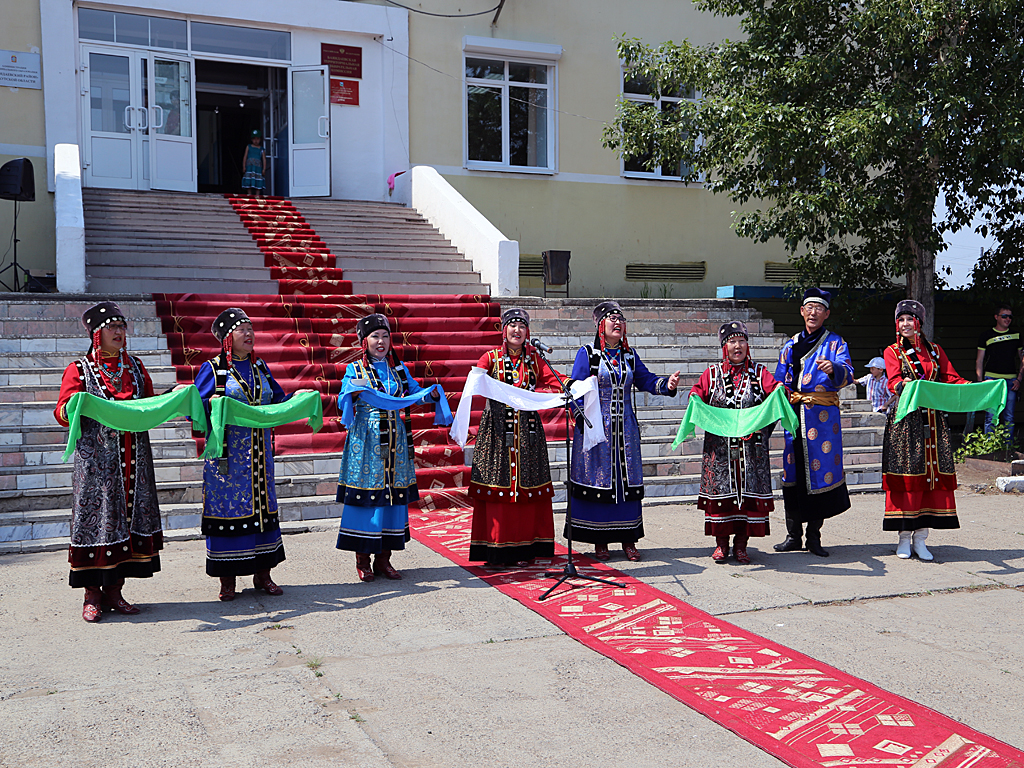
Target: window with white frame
{"x":641,"y":91}
{"x":510,"y":114}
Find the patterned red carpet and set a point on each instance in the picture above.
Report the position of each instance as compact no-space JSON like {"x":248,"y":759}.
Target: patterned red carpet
{"x":797,"y":709}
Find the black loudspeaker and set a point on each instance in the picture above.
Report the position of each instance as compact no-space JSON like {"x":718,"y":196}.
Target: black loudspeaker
{"x":18,"y":181}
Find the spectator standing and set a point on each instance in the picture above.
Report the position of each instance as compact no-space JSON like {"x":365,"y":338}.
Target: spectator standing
{"x":999,"y":357}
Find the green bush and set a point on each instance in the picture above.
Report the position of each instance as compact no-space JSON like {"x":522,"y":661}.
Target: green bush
{"x":980,"y":443}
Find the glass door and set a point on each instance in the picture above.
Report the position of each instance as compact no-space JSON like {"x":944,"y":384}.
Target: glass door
{"x":172,"y":146}
{"x":309,"y":119}
{"x":115,"y":119}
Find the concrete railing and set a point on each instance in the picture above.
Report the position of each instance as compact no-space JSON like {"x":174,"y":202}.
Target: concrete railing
{"x":67,"y":204}
{"x":494,"y":256}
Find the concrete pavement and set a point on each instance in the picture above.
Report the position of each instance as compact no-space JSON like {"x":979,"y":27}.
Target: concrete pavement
{"x":442,"y":670}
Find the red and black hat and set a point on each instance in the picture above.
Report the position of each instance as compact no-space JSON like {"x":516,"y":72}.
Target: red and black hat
{"x":227,"y":321}
{"x":910,"y":307}
{"x":371,"y":323}
{"x":605,"y":308}
{"x":731,"y":331}
{"x":513,"y":314}
{"x":99,"y":315}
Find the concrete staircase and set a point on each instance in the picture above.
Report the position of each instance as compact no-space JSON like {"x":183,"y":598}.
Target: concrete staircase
{"x":389,"y":249}
{"x":39,"y":338}
{"x":166,"y":242}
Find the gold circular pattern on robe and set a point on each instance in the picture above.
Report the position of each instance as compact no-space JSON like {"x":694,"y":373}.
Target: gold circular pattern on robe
{"x":835,"y":429}
{"x":823,"y":416}
{"x":815,"y":465}
{"x":812,"y":434}
{"x":826,"y":447}
{"x":828,"y":477}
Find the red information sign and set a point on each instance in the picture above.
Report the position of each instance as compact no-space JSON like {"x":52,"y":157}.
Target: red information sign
{"x":343,"y":60}
{"x":345,"y":92}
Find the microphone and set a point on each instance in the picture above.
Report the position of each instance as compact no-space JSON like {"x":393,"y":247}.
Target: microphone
{"x":540,"y":346}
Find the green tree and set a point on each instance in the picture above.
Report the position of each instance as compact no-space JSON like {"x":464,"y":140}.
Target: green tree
{"x":835,"y":126}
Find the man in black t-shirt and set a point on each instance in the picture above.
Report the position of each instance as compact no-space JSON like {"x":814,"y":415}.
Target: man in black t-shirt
{"x":999,"y":357}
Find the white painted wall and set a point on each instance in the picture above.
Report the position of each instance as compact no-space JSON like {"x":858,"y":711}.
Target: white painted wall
{"x":494,"y":256}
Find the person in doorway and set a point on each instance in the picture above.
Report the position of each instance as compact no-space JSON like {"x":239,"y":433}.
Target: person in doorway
{"x":240,"y":518}
{"x":115,"y":517}
{"x":736,"y":477}
{"x":876,"y":384}
{"x":254,"y":164}
{"x":510,"y":485}
{"x":814,"y":365}
{"x":607,"y":483}
{"x":999,"y":357}
{"x":918,"y":474}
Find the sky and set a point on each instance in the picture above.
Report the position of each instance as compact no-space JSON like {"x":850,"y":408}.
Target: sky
{"x":963,"y":251}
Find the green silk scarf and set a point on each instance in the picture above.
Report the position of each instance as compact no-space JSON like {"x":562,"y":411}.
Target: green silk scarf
{"x":952,"y":398}
{"x":227,"y":410}
{"x":139,"y":415}
{"x":737,"y":422}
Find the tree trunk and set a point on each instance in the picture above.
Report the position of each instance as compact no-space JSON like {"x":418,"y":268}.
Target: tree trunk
{"x":921,"y":285}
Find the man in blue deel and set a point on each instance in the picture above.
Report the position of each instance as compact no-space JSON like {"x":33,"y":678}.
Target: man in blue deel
{"x":814,"y":365}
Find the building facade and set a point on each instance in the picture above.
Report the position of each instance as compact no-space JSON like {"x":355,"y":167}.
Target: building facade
{"x":508,"y":106}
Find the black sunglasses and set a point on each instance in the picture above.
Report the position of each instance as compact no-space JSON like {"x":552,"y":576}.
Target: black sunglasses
{"x":1007,"y":317}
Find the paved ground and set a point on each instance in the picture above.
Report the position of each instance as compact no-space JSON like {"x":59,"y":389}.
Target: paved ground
{"x":441,"y":670}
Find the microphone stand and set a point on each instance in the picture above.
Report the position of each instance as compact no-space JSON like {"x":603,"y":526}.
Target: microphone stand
{"x":569,"y":571}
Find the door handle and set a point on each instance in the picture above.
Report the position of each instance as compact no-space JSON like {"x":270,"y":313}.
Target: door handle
{"x":322,"y":135}
{"x":127,"y":122}
{"x":143,"y":112}
{"x":158,"y":126}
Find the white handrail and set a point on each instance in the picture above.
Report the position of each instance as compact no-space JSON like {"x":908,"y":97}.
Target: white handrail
{"x":494,"y":256}
{"x":67,"y":204}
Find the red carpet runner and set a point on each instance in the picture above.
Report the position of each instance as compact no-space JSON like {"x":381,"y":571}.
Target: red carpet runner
{"x":797,"y":709}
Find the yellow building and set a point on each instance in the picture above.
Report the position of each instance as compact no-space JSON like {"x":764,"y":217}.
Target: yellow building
{"x":508,"y":106}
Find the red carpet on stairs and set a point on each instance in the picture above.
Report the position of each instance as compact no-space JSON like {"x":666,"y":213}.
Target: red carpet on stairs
{"x":297,"y":258}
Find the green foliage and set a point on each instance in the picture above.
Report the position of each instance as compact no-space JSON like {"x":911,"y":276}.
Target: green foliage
{"x":980,"y":443}
{"x":665,"y":290}
{"x":645,"y":292}
{"x":834,"y":126}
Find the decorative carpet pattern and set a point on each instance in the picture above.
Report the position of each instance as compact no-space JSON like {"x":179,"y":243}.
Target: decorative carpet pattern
{"x":801,"y":711}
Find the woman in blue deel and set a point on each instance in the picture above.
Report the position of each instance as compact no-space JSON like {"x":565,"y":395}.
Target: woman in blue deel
{"x":377,"y":480}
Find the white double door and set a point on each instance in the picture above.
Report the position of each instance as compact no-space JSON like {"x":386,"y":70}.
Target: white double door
{"x":139,"y":120}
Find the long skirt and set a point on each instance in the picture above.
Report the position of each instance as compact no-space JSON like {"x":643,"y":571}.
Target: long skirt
{"x":597,"y":523}
{"x":505,"y":533}
{"x":723,"y":517}
{"x":919,"y":477}
{"x":371,"y":530}
{"x":244,"y":555}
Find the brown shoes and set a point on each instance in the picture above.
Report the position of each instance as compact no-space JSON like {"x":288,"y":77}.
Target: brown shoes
{"x":630,"y":551}
{"x":601,"y":552}
{"x":91,"y":610}
{"x":363,"y":567}
{"x":382,"y":566}
{"x":227,"y":589}
{"x":262,"y":580}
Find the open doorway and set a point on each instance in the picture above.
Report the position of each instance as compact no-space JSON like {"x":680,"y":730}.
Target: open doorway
{"x":233,"y":100}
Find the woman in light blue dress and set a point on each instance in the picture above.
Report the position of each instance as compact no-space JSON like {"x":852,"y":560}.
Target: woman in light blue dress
{"x":377,"y":479}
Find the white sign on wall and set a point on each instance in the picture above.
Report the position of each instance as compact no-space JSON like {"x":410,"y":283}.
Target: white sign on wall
{"x":21,"y":70}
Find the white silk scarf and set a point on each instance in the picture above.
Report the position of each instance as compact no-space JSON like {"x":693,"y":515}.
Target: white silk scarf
{"x":479,"y":383}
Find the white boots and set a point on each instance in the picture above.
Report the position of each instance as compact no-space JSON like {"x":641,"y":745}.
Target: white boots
{"x":919,"y":548}
{"x":903,"y":548}
{"x":913,"y":541}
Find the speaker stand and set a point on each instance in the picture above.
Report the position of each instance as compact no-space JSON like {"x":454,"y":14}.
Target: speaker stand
{"x":15,"y":288}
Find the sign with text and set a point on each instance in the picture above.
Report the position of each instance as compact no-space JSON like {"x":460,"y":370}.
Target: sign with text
{"x":343,"y":60}
{"x":345,"y":92}
{"x":21,"y":70}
